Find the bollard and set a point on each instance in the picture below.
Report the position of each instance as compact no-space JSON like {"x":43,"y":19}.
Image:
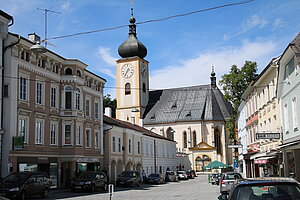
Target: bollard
{"x":110,"y":191}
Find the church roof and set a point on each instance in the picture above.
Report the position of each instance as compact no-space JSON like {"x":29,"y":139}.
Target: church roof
{"x":195,"y":103}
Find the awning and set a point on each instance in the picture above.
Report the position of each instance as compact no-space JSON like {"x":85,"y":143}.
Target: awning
{"x":258,"y":155}
{"x":288,"y":144}
{"x":263,"y":160}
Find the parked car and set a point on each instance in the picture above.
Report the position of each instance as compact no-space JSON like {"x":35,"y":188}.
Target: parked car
{"x":171,"y":176}
{"x":190,"y":174}
{"x":264,"y":189}
{"x":227,"y":180}
{"x":89,"y":181}
{"x":155,"y":178}
{"x":20,"y":185}
{"x":129,"y":178}
{"x":182,"y":175}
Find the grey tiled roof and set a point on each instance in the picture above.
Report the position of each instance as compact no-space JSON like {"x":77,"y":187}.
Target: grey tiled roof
{"x":196,"y":103}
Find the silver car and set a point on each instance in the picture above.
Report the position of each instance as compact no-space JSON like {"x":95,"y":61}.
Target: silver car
{"x":182,"y":175}
{"x":227,"y":180}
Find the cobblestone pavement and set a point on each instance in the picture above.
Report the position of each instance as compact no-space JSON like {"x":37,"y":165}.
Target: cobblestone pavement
{"x":192,"y":189}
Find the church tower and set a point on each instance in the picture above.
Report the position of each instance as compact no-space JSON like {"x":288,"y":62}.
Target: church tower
{"x":132,"y":78}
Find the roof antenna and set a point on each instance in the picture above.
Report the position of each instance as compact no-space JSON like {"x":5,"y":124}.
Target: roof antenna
{"x":46,"y":23}
{"x":131,"y":7}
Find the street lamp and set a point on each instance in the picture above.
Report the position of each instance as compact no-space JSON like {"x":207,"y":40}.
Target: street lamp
{"x":134,"y":110}
{"x":38,"y":48}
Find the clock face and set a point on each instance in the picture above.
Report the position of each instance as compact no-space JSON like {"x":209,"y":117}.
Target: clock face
{"x":143,"y":70}
{"x":127,"y":70}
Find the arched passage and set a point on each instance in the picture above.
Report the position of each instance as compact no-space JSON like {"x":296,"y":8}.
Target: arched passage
{"x":202,"y":161}
{"x":128,"y":167}
{"x":119,"y":167}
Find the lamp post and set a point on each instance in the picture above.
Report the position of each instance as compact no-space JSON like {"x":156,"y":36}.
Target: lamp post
{"x":134,"y":110}
{"x":38,"y":48}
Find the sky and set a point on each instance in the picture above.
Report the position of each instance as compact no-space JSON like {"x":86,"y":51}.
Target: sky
{"x":181,"y":51}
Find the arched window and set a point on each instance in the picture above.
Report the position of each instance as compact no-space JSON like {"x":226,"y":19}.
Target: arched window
{"x":127,"y":89}
{"x":68,"y":97}
{"x":77,"y":100}
{"x":68,"y":71}
{"x":184,"y":140}
{"x":201,"y":162}
{"x":194,"y":138}
{"x":217,"y":137}
{"x":170,"y":133}
{"x":144,"y":87}
{"x":78,"y":73}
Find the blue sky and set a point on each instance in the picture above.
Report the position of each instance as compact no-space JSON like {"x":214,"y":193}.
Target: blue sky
{"x":181,"y":51}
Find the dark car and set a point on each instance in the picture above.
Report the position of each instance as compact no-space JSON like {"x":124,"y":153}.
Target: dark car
{"x":155,"y":178}
{"x":20,"y":185}
{"x":264,"y":189}
{"x":215,"y":179}
{"x":129,"y":178}
{"x":171,"y":176}
{"x":190,"y":174}
{"x":89,"y":181}
{"x":227,"y":180}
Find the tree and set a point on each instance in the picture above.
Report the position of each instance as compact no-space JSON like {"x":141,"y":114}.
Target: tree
{"x":234,"y":84}
{"x":109,"y":102}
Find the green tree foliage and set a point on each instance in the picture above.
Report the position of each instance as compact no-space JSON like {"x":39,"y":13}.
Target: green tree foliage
{"x":234,"y":84}
{"x":109,"y":102}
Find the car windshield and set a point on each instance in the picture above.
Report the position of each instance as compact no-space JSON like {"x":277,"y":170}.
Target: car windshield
{"x":126,"y":174}
{"x":232,"y":176}
{"x":268,"y":191}
{"x":154,"y":175}
{"x":15,"y":178}
{"x":87,"y":175}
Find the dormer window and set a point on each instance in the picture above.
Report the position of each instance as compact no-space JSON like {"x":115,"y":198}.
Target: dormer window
{"x":188,"y":114}
{"x":68,"y":71}
{"x":174,"y":105}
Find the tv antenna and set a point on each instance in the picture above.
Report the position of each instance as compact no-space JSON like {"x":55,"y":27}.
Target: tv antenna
{"x":46,"y":11}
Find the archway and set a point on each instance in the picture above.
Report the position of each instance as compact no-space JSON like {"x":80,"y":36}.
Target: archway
{"x":201,"y":162}
{"x":128,"y":167}
{"x":139,"y":168}
{"x":119,"y":167}
{"x":113,"y":171}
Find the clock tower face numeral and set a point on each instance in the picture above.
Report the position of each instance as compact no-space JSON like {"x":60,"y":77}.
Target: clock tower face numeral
{"x":127,"y":71}
{"x":144,"y":70}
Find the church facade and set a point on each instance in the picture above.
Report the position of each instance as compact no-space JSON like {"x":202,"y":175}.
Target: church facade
{"x":195,"y":117}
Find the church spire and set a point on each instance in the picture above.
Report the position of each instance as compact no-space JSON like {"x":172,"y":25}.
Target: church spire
{"x":132,"y":47}
{"x":213,"y":78}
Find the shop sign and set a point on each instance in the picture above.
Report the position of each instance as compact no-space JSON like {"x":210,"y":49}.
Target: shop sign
{"x":18,"y":142}
{"x":260,"y":161}
{"x":88,"y":160}
{"x":267,"y":135}
{"x":233,"y":146}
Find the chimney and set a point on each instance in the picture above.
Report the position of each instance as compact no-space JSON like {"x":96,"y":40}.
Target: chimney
{"x":108,"y":111}
{"x":34,"y":37}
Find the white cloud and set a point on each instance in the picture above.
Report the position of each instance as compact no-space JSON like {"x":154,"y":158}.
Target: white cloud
{"x":197,"y":70}
{"x":278,"y":23}
{"x":106,"y":56}
{"x":255,"y":21}
{"x":65,"y":7}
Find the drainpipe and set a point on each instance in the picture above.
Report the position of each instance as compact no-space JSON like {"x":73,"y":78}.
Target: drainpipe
{"x":155,"y":156}
{"x":2,"y":95}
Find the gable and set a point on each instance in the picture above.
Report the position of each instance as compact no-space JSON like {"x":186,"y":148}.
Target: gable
{"x":202,"y":146}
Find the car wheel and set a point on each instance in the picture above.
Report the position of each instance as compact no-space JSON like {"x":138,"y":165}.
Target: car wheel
{"x":23,"y":195}
{"x":45,"y":193}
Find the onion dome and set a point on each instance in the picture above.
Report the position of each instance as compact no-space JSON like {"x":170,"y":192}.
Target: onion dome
{"x":132,"y":46}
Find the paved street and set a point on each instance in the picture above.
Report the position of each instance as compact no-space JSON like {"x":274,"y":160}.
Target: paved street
{"x":193,"y":189}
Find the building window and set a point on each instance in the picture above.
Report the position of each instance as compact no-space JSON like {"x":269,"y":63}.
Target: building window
{"x":39,"y":92}
{"x":5,"y":91}
{"x":139,"y":147}
{"x":38,"y":132}
{"x":294,"y":114}
{"x":68,"y":97}
{"x":97,"y":145}
{"x":184,"y":140}
{"x":119,"y":145}
{"x":114,"y":144}
{"x":129,"y":146}
{"x":53,"y":97}
{"x":286,"y":120}
{"x":79,"y":136}
{"x":78,"y":73}
{"x":127,"y":89}
{"x":144,"y":87}
{"x":87,"y":107}
{"x":194,"y":138}
{"x":68,"y":71}
{"x":88,"y":138}
{"x":67,"y":134}
{"x":23,"y":88}
{"x":53,"y":134}
{"x":77,"y":97}
{"x":23,"y":128}
{"x":97,"y":110}
{"x":170,"y":133}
